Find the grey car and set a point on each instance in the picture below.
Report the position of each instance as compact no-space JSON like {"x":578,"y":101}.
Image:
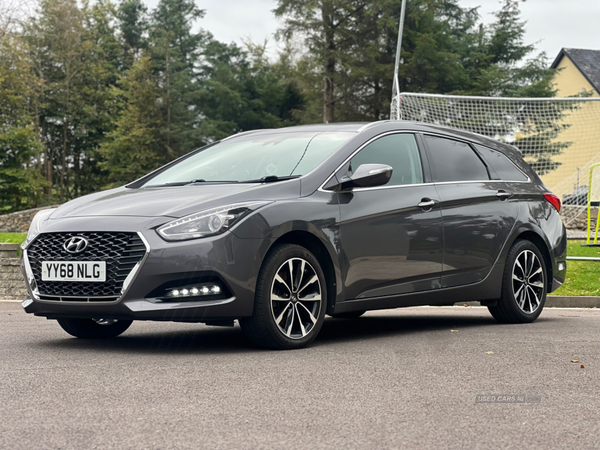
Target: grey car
{"x":277,"y":228}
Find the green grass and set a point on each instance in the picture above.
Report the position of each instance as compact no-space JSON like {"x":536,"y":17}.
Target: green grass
{"x":12,"y":238}
{"x":574,"y":248}
{"x":583,"y":277}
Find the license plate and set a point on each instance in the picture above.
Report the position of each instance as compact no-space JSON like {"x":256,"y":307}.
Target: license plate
{"x":74,"y":271}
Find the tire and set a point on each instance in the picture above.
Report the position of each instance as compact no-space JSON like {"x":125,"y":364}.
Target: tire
{"x":524,"y":285}
{"x":289,"y":310}
{"x":348,"y":315}
{"x":94,"y":328}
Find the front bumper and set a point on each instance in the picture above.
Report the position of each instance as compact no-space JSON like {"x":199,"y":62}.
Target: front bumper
{"x":234,"y":261}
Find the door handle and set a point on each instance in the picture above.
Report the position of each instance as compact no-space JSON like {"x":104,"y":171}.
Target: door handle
{"x":426,"y":203}
{"x":503,"y":195}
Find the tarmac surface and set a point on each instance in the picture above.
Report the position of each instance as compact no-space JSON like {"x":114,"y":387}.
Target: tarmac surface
{"x":408,"y":378}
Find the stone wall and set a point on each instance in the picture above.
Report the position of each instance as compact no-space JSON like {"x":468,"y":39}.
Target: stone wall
{"x":580,"y":222}
{"x":18,"y":222}
{"x":12,"y":283}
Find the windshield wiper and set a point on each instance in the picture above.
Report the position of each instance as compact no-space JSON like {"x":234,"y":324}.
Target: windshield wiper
{"x":185,"y":183}
{"x":267,"y":179}
{"x":271,"y":179}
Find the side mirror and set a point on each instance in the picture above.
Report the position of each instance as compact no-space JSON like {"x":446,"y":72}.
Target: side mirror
{"x":367,"y":175}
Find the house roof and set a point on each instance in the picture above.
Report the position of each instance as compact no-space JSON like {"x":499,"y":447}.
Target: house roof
{"x":586,"y":61}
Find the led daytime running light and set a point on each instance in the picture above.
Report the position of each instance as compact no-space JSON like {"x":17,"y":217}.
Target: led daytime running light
{"x":195,"y":291}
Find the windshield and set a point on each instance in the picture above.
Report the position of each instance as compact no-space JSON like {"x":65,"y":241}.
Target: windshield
{"x":252,"y":158}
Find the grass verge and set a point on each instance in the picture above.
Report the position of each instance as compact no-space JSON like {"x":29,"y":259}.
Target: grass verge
{"x":583,"y":277}
{"x":12,"y":238}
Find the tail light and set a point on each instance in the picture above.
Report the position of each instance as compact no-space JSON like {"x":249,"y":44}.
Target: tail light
{"x":553,"y":199}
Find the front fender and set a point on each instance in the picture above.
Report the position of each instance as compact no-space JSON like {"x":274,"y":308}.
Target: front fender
{"x":315,"y":217}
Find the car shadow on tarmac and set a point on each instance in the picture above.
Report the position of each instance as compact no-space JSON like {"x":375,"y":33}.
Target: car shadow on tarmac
{"x":217,"y":340}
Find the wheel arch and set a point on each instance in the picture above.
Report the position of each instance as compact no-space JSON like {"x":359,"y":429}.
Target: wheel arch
{"x":313,"y":244}
{"x":540,"y":243}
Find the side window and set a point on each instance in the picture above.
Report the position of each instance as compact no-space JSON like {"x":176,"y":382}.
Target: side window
{"x":455,"y":161}
{"x":399,"y":151}
{"x":503,"y":166}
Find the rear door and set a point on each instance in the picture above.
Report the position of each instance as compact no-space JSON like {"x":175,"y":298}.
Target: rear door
{"x":390,"y":244}
{"x":477,"y":210}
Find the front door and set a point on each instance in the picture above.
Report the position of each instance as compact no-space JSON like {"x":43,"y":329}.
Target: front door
{"x":391,"y":235}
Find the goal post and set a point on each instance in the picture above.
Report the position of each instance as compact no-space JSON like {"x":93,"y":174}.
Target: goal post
{"x":558,"y":137}
{"x":593,"y":200}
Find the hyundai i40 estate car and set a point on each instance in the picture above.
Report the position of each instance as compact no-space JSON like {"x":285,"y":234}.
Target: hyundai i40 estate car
{"x":277,"y":228}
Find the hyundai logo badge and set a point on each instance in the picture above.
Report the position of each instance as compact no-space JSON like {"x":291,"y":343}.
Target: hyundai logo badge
{"x":76,"y":244}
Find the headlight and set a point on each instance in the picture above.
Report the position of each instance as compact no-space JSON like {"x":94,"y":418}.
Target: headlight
{"x":207,"y":223}
{"x":36,"y":225}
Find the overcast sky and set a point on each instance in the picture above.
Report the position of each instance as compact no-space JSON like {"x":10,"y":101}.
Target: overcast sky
{"x":551,"y":24}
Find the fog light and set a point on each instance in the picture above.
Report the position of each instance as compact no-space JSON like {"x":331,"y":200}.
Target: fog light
{"x":561,"y":266}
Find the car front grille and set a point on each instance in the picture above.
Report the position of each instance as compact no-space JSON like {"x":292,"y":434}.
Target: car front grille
{"x":120,"y":251}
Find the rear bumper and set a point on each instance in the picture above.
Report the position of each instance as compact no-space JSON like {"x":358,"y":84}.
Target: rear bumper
{"x":559,"y":260}
{"x":558,"y":276}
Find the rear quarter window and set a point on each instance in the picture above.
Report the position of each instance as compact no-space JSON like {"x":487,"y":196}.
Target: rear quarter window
{"x":501,"y":164}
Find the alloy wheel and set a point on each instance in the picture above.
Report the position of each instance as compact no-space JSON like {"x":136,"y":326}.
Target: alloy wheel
{"x":296,"y":298}
{"x":528,"y":281}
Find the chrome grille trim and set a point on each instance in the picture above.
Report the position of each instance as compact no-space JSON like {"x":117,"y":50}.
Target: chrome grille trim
{"x":124,"y":275}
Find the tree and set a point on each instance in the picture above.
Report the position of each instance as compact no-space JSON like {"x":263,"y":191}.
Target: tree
{"x":351,"y":45}
{"x":135,"y":147}
{"x":20,"y":181}
{"x":326,"y":27}
{"x":241,"y":90}
{"x":109,"y":92}
{"x":349,"y":53}
{"x":132,"y":16}
{"x":503,"y":64}
{"x":174,"y":49}
{"x":57,"y":48}
{"x":499,"y":68}
{"x":97,"y":102}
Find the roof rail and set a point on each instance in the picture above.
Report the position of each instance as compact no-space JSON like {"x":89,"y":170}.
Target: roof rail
{"x":243,"y":133}
{"x":372,"y":124}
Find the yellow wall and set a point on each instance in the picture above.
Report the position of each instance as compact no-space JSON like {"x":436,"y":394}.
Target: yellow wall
{"x":570,"y":81}
{"x":584,"y":132}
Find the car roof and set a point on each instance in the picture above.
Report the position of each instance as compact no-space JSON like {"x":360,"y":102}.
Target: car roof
{"x":360,"y":127}
{"x":389,"y":125}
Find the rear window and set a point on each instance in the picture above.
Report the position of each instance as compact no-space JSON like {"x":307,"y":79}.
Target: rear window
{"x":503,"y":166}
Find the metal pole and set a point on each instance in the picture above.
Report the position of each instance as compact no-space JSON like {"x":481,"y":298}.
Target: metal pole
{"x":396,"y":85}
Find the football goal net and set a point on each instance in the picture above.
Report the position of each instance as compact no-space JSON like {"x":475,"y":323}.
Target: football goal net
{"x":558,"y":137}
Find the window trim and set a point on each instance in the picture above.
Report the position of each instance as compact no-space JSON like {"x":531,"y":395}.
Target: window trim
{"x":425,"y":163}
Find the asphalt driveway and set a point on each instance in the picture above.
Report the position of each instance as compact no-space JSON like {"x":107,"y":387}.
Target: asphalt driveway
{"x":391,"y":379}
